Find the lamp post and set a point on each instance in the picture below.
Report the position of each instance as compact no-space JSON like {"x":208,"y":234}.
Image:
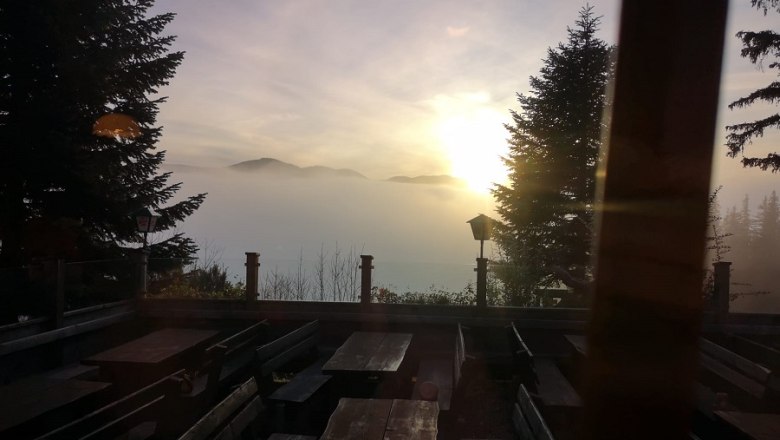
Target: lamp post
{"x":481,"y":227}
{"x":146,"y":220}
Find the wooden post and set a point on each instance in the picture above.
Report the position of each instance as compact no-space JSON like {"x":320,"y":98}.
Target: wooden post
{"x":482,"y":283}
{"x":366,"y":265}
{"x":252,"y":277}
{"x":720,"y":294}
{"x":643,"y":336}
{"x":59,"y":295}
{"x":141,"y":257}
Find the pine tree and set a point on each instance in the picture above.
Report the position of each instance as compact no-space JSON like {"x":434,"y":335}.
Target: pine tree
{"x":66,"y":63}
{"x":757,"y":46}
{"x":547,"y":208}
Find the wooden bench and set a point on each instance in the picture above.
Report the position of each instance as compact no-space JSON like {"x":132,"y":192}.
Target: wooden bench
{"x":526,"y":418}
{"x":149,"y":404}
{"x":446,"y":374}
{"x":523,"y":359}
{"x":225,"y":361}
{"x":275,"y":354}
{"x":231,"y":417}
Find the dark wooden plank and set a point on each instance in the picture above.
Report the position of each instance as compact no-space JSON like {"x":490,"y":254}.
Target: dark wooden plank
{"x":154,"y":348}
{"x":439,"y":372}
{"x":519,"y":346}
{"x":733,"y":377}
{"x":355,"y":353}
{"x":532,"y":416}
{"x":128,"y":420}
{"x":389,"y":354}
{"x":241,"y":421}
{"x":363,"y":419}
{"x":209,"y":422}
{"x":117,"y":409}
{"x":278,"y":436}
{"x":735,"y":361}
{"x":244,"y":335}
{"x":755,"y":425}
{"x":35,"y":396}
{"x":300,"y":388}
{"x":579,"y":342}
{"x":756,"y":351}
{"x":296,"y":351}
{"x":412,"y":419}
{"x":553,"y":389}
{"x":520,"y":424}
{"x":281,"y":344}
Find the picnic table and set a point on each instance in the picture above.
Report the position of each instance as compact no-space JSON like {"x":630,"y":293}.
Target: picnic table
{"x":368,"y":364}
{"x":383,"y":418}
{"x":150,"y":357}
{"x":373,"y":352}
{"x":30,"y":399}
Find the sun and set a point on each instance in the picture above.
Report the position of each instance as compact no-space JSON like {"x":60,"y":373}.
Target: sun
{"x":474,"y":139}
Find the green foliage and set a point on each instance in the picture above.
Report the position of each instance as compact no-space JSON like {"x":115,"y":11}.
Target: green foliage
{"x":547,"y":209}
{"x":433,"y":296}
{"x":757,"y":46}
{"x":202,"y":282}
{"x":64,"y":191}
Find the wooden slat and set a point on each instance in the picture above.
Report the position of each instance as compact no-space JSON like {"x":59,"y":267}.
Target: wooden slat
{"x":412,"y":419}
{"x":278,"y":436}
{"x":389,"y":354}
{"x":355,"y":353}
{"x":279,"y":345}
{"x":757,"y":351}
{"x":521,"y":425}
{"x":553,"y":388}
{"x":579,"y":343}
{"x":209,"y":422}
{"x":289,"y":354}
{"x":244,"y":337}
{"x":357,"y":419}
{"x":241,"y":421}
{"x":532,"y":416}
{"x":741,"y":364}
{"x":127,"y":421}
{"x":118,"y":408}
{"x":734,"y":377}
{"x":518,"y":345}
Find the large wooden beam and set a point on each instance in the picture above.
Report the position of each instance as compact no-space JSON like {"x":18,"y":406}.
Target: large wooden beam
{"x":644,"y":329}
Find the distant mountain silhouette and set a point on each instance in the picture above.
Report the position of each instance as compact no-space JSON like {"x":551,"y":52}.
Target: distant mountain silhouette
{"x":275,"y":166}
{"x":428,"y":180}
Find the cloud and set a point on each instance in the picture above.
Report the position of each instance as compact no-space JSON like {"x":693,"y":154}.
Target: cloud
{"x":455,"y":32}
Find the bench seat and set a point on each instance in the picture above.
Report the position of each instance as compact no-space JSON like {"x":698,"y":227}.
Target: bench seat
{"x":438,"y":372}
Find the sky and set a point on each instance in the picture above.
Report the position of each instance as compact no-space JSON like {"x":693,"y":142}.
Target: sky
{"x":405,"y":87}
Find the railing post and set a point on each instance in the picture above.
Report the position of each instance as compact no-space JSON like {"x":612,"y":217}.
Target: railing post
{"x":720,"y":292}
{"x":252,"y":264}
{"x":141,"y":257}
{"x":59,"y":295}
{"x":366,"y":265}
{"x":482,"y":283}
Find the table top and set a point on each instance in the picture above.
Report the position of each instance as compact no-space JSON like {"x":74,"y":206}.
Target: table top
{"x":370,"y":351}
{"x":34,"y":396}
{"x":756,"y":425}
{"x":154,"y":348}
{"x":383,"y":419}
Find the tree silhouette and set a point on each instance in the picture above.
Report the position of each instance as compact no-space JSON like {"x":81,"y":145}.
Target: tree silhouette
{"x":547,"y":208}
{"x":65,"y":65}
{"x":758,"y":46}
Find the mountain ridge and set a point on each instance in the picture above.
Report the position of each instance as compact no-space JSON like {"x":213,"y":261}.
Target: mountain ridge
{"x":268,"y":165}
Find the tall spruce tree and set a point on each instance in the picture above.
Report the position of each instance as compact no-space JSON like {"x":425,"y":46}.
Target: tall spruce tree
{"x":63,"y":190}
{"x":547,"y":208}
{"x":758,"y":46}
